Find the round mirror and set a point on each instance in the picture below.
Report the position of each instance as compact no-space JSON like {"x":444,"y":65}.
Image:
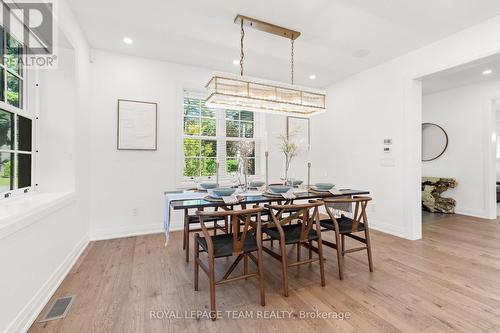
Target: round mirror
{"x":434,"y":141}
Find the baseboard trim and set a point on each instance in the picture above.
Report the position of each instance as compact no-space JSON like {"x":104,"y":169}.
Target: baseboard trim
{"x":472,"y":212}
{"x":30,"y":312}
{"x":386,"y":228}
{"x":129,"y":231}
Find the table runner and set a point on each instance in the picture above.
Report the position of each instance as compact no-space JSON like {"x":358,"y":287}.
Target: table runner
{"x":172,"y":196}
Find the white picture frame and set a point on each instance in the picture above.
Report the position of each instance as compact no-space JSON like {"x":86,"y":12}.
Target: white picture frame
{"x":301,"y":128}
{"x":137,"y":125}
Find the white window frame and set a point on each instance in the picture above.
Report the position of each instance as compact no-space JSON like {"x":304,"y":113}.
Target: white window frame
{"x":220,"y":137}
{"x":25,"y":110}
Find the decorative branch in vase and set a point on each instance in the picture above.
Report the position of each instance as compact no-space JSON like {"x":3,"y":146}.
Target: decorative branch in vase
{"x":289,"y":148}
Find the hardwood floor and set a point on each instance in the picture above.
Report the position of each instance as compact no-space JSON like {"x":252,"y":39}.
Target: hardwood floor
{"x":449,"y":281}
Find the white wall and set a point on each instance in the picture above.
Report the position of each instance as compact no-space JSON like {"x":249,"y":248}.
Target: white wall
{"x":497,"y":151}
{"x":56,"y":169}
{"x":363,"y":110}
{"x":34,"y":261}
{"x":385,"y":102}
{"x":38,"y":249}
{"x":125,"y":180}
{"x":463,"y":113}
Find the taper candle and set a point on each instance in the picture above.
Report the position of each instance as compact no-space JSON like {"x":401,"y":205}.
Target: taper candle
{"x":267,"y":169}
{"x":308,"y":174}
{"x":217,"y":174}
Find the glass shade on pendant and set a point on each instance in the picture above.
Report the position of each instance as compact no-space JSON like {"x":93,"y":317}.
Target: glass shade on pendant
{"x":244,"y":93}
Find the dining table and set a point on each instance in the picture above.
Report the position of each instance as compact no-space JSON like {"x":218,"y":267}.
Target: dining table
{"x":186,"y":200}
{"x":201,"y":203}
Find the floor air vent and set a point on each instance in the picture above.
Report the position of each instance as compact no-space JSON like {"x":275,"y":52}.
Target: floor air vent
{"x":58,"y":309}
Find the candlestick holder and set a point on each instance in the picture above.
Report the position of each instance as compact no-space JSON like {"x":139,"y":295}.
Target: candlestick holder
{"x":267,"y":169}
{"x":308,"y":174}
{"x":217,"y":174}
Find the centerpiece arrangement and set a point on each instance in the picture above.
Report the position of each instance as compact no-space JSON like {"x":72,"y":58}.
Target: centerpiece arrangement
{"x":290,"y":149}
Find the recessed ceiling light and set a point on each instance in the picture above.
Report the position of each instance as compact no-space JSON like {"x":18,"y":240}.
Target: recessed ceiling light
{"x":128,"y":40}
{"x":312,"y":77}
{"x":236,"y":62}
{"x":487,"y":72}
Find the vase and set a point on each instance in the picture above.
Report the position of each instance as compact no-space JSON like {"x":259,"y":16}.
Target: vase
{"x":286,"y":180}
{"x":244,"y":172}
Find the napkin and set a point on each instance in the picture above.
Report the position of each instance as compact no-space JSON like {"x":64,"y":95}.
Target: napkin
{"x":334,"y":191}
{"x":289,"y":195}
{"x":232,"y":199}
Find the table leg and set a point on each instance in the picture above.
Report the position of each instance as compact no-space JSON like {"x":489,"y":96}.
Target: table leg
{"x":186,"y":233}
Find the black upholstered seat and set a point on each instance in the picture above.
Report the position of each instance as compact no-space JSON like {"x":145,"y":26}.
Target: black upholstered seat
{"x":195,"y":219}
{"x":292,"y":233}
{"x":345,"y":224}
{"x":223,"y":244}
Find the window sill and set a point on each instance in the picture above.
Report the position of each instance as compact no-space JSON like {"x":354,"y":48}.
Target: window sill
{"x":20,"y":212}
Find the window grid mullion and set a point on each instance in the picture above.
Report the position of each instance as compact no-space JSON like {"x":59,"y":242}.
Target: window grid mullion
{"x":221,"y":139}
{"x":16,"y":112}
{"x":16,"y":147}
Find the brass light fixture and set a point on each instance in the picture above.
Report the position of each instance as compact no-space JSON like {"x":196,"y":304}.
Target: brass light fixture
{"x":241,"y":92}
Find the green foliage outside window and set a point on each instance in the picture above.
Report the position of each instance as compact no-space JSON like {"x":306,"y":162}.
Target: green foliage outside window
{"x":200,"y":143}
{"x":6,"y":170}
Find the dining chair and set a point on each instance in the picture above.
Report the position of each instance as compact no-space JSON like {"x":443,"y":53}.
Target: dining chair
{"x":245,"y":238}
{"x":301,"y":233}
{"x":345,"y":226}
{"x":193,"y":220}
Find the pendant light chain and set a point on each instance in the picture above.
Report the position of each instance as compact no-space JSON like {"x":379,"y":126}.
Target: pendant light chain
{"x":242,"y":53}
{"x":233,"y":92}
{"x":291,"y":62}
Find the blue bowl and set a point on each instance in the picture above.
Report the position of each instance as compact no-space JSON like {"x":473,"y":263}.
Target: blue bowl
{"x":279,"y":189}
{"x":324,"y":186}
{"x":256,"y":183}
{"x":208,"y":186}
{"x":223,"y":191}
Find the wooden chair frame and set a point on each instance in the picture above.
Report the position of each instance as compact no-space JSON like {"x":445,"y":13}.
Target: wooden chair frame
{"x":359,"y":216}
{"x":238,"y":218}
{"x":188,"y":230}
{"x":297,"y":212}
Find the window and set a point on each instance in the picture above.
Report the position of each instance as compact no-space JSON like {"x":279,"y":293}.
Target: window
{"x":16,"y":124}
{"x":213,"y":136}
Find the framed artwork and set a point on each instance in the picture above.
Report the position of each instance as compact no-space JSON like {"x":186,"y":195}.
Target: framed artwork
{"x":300,"y":129}
{"x":137,"y":125}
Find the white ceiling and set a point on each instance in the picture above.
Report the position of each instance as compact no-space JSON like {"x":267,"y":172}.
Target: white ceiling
{"x":334,"y":32}
{"x":463,"y":75}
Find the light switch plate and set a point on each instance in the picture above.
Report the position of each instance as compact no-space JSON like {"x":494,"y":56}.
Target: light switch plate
{"x":387,"y":162}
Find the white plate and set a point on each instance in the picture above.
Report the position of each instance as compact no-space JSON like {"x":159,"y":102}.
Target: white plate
{"x":251,"y":194}
{"x":318,"y":190}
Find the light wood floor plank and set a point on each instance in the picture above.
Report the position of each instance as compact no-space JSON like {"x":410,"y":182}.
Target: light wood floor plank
{"x":447,"y":282}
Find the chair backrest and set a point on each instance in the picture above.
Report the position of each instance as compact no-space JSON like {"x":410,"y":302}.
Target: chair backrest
{"x":307,"y":213}
{"x":241,"y":221}
{"x":359,"y":214}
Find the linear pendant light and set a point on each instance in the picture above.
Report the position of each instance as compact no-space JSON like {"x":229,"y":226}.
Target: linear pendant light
{"x":241,"y":92}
